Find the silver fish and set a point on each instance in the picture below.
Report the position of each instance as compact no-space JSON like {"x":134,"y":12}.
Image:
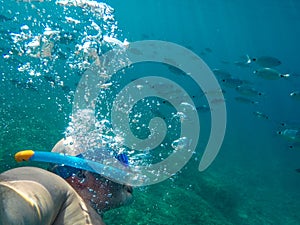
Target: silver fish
{"x":244,"y":62}
{"x":241,"y":64}
{"x":290,"y":134}
{"x":295,"y":95}
{"x":267,"y":61}
{"x":269,"y":74}
{"x":261,"y":115}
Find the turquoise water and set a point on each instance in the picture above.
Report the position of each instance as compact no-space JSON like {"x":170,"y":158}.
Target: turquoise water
{"x":252,"y":180}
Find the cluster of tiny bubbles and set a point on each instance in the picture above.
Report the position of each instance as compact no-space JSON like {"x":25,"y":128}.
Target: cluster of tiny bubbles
{"x":139,"y":117}
{"x":180,"y":143}
{"x":93,"y":135}
{"x":51,"y":43}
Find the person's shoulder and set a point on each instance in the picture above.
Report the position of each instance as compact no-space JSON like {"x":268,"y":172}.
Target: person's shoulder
{"x":24,"y":187}
{"x":17,"y":173}
{"x":30,"y":174}
{"x":22,"y":170}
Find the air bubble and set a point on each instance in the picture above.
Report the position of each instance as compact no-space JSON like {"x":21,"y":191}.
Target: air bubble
{"x":180,"y":144}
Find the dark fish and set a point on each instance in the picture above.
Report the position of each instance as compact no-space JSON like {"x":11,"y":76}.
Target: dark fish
{"x":24,"y":85}
{"x":217,"y":100}
{"x":203,"y":108}
{"x":233,"y":82}
{"x":248,"y":91}
{"x":208,"y":50}
{"x":225,"y":62}
{"x":66,"y":89}
{"x":49,"y":79}
{"x":295,"y":146}
{"x":222,"y":74}
{"x":61,"y":55}
{"x":175,"y":70}
{"x":290,"y":124}
{"x":267,"y":61}
{"x":66,"y":38}
{"x":298,"y":170}
{"x":245,"y":100}
{"x":4,"y":18}
{"x":145,"y":36}
{"x":135,"y":51}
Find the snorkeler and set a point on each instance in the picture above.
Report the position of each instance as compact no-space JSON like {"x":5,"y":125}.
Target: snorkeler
{"x":35,"y":196}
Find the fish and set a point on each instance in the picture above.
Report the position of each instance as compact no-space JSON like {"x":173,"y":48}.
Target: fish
{"x":244,"y":62}
{"x":66,"y":88}
{"x":145,"y":36}
{"x":267,"y":61}
{"x":295,"y":95}
{"x":270,"y":74}
{"x":245,"y":100}
{"x":49,"y":79}
{"x":66,"y":38}
{"x":295,"y":146}
{"x":261,"y":115}
{"x":209,"y":50}
{"x":289,"y":124}
{"x":4,"y":18}
{"x":222,"y":74}
{"x":24,"y":85}
{"x":290,"y":134}
{"x":176,"y":70}
{"x":203,"y":108}
{"x":241,"y":64}
{"x":248,"y":91}
{"x":205,"y":51}
{"x":233,"y":82}
{"x":217,"y":100}
{"x":225,"y":62}
{"x":298,"y":170}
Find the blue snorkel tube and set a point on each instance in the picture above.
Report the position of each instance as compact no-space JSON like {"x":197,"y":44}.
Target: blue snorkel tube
{"x":116,"y":174}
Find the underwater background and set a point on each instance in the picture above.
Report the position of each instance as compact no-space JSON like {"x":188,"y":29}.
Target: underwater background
{"x":255,"y":178}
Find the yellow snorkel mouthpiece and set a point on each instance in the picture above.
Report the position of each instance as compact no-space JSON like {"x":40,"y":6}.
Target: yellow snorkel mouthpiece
{"x":24,"y":155}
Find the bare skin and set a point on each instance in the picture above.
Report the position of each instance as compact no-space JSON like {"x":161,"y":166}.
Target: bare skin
{"x":101,"y":193}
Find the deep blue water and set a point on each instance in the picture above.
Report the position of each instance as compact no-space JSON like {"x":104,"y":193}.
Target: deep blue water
{"x":253,"y":179}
